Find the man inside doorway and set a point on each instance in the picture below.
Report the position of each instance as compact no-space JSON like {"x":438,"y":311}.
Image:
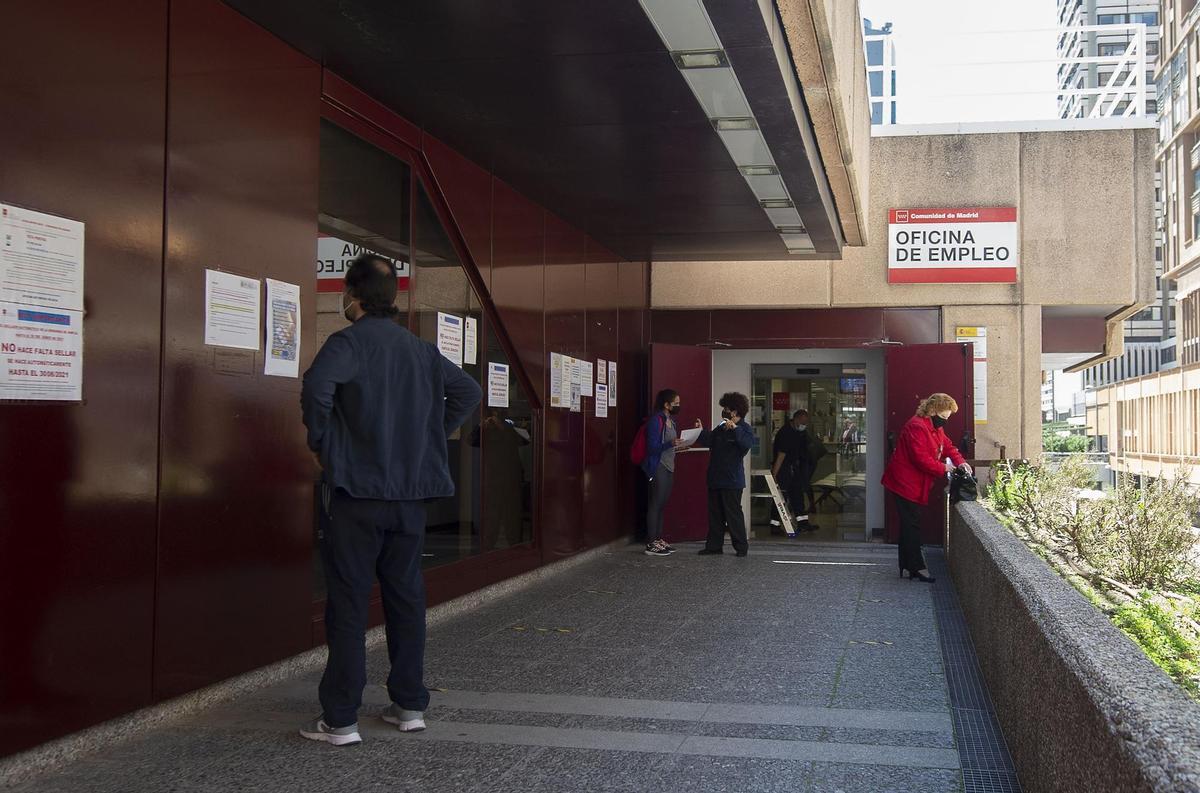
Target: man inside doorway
{"x":794,"y":467}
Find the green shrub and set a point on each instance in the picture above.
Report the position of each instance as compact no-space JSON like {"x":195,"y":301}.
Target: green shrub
{"x":1151,"y":533}
{"x":1153,"y":629}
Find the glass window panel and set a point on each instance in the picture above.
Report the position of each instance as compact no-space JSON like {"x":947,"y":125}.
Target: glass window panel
{"x":440,"y":285}
{"x":508,"y":437}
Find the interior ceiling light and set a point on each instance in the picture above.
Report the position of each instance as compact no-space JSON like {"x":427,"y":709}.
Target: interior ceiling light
{"x":700,"y":59}
{"x":791,"y":229}
{"x":759,"y":170}
{"x":731,"y":124}
{"x":776,"y":203}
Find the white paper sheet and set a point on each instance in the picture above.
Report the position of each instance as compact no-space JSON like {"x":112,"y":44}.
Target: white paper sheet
{"x":601,"y":400}
{"x":601,"y":371}
{"x":283,"y":330}
{"x":556,"y":380}
{"x":232,"y":309}
{"x":41,"y":259}
{"x":576,"y":384}
{"x":470,"y":341}
{"x":612,"y":384}
{"x":497,"y":385}
{"x":41,"y":353}
{"x":690,"y":436}
{"x":586,"y":387}
{"x":450,"y":337}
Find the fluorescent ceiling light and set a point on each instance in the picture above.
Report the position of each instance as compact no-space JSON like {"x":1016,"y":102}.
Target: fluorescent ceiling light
{"x":700,"y":59}
{"x":719,"y":94}
{"x":745,"y":145}
{"x":796,"y":241}
{"x":735,"y":123}
{"x":784,"y":217}
{"x":767,"y":187}
{"x":682,"y":24}
{"x":776,"y":203}
{"x":791,"y":230}
{"x":759,"y":170}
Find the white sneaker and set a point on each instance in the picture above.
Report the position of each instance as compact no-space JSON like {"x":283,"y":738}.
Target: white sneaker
{"x":318,"y":730}
{"x":405,"y":720}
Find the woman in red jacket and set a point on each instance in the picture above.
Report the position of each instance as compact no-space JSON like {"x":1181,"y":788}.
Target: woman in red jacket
{"x":918,"y":463}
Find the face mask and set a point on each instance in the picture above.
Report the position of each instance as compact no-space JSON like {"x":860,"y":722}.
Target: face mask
{"x":802,"y":427}
{"x":725,"y":414}
{"x":938,"y":421}
{"x":346,"y":309}
{"x":675,"y":410}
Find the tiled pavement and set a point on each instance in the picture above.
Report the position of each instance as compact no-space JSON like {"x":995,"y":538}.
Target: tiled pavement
{"x":807,"y":668}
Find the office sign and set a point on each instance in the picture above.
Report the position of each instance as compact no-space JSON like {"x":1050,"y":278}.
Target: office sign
{"x":961,"y":245}
{"x":333,"y":259}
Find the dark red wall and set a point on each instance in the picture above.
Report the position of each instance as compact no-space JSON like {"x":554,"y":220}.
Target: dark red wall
{"x":800,"y":328}
{"x":84,"y":87}
{"x":157,"y":537}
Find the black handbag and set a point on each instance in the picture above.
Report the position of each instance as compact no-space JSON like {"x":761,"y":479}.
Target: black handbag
{"x":963,"y":487}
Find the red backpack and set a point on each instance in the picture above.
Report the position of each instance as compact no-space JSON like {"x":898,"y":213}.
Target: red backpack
{"x":637,"y":450}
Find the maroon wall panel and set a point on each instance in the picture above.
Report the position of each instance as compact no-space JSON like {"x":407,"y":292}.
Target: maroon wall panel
{"x":82,"y":136}
{"x":800,"y":327}
{"x":913,"y":325}
{"x":687,"y":370}
{"x":236,"y":498}
{"x":468,"y":191}
{"x":600,"y":434}
{"x":518,"y":251}
{"x":1073,"y":334}
{"x":633,"y":339}
{"x":566,"y":334}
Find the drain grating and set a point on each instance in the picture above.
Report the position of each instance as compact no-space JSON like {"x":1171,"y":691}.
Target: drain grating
{"x":987,"y":766}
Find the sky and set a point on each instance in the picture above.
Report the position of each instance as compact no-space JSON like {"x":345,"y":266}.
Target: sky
{"x":947,"y":54}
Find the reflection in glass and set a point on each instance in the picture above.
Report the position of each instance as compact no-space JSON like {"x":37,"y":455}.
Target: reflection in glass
{"x":508,"y":440}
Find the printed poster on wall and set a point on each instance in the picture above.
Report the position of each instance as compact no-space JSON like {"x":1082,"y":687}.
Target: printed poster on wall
{"x":601,"y":401}
{"x":977,"y":335}
{"x":41,"y":350}
{"x":334,"y":256}
{"x":576,"y":384}
{"x":283,"y":330}
{"x":470,"y":341}
{"x":497,"y":385}
{"x":41,"y":259}
{"x":601,"y":371}
{"x":555,"y":380}
{"x":587,"y":379}
{"x":450,"y":337}
{"x":612,"y":384}
{"x":232,"y":310}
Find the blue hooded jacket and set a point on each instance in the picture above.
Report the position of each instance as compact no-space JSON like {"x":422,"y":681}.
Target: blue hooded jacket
{"x":655,"y":429}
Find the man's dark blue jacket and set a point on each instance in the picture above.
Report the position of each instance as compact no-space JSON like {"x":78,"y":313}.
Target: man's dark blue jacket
{"x":379,"y":404}
{"x":727,"y":449}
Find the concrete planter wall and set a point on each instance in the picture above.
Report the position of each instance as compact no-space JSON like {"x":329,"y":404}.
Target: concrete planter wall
{"x":1081,"y":706}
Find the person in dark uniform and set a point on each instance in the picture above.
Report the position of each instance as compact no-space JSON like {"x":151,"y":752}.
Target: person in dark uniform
{"x":794,"y":467}
{"x":728,"y":445}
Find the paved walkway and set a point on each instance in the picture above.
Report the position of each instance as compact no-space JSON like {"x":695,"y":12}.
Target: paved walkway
{"x":796,"y":669}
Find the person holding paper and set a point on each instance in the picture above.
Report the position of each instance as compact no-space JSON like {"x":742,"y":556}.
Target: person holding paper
{"x":379,"y":404}
{"x":662,"y":439}
{"x":728,"y":445}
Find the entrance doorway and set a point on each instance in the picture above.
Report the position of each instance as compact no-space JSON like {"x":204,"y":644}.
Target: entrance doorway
{"x":835,"y":398}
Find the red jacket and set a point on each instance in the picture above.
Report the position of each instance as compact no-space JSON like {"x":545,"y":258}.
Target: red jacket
{"x":918,"y":461}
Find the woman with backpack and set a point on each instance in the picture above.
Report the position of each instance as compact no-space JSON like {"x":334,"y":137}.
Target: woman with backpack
{"x":660,"y":439}
{"x":917,"y":464}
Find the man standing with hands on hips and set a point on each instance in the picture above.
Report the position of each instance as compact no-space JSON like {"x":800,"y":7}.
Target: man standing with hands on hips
{"x":379,"y":404}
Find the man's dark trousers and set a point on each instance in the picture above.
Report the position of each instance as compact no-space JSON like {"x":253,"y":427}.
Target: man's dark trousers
{"x":362,"y":539}
{"x":725,"y":512}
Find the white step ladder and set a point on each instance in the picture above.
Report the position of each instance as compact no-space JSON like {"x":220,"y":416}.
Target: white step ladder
{"x":785,"y":514}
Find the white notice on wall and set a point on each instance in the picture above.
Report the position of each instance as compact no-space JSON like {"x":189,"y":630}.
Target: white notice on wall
{"x":41,"y":353}
{"x":41,"y":259}
{"x":283,"y":330}
{"x":612,"y":384}
{"x":977,"y":336}
{"x":601,"y":371}
{"x":601,"y":401}
{"x":576,"y":384}
{"x":556,"y":380}
{"x":497,"y":385}
{"x":470,"y":341}
{"x":232,"y":308}
{"x":450,"y":337}
{"x":587,"y":379}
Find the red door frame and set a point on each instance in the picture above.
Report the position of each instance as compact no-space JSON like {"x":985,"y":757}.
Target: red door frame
{"x":353,"y":111}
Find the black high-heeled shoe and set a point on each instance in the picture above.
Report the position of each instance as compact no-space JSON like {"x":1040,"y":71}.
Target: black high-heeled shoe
{"x":928,"y":579}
